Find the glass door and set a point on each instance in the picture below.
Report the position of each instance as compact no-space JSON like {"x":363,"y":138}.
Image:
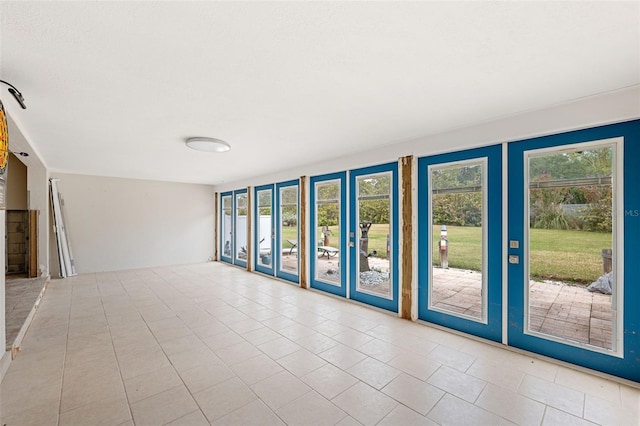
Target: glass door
{"x":373,"y":235}
{"x":226,"y":227}
{"x":288,"y":230}
{"x":328,"y":242}
{"x":240,"y":210}
{"x":460,"y":241}
{"x":265,"y":234}
{"x":570,"y":216}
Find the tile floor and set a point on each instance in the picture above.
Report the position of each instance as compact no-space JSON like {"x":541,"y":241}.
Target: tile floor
{"x":20,"y":296}
{"x":212,"y":344}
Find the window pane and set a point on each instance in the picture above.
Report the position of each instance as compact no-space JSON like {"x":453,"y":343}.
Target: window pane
{"x":374,"y":219}
{"x":571,"y":225}
{"x":264,"y":227}
{"x":289,"y":228}
{"x":241,"y":227}
{"x":328,"y":232}
{"x":226,"y":226}
{"x":457,"y":254}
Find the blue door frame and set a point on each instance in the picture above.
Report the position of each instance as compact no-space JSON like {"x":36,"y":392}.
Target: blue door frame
{"x":264,"y":267}
{"x":625,"y":364}
{"x":341,"y":288}
{"x":491,"y":328}
{"x":280,"y":273}
{"x":391,"y":303}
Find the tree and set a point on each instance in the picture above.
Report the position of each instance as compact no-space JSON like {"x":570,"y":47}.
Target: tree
{"x":328,"y":203}
{"x":264,"y":202}
{"x":374,"y":194}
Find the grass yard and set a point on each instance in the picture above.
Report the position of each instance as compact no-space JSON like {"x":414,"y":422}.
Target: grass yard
{"x":289,"y":233}
{"x":569,"y":256}
{"x":562,"y":255}
{"x":377,"y":238}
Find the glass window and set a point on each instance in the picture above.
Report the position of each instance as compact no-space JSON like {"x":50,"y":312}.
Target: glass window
{"x":226,"y":226}
{"x":289,"y":228}
{"x":327,"y":260}
{"x":374,"y":242}
{"x":264,"y":227}
{"x":241,"y":227}
{"x":571,"y":269}
{"x":458,"y":235}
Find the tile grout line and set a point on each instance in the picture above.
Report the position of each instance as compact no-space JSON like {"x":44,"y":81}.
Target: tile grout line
{"x":114,"y":348}
{"x":66,"y":348}
{"x":228,"y":366}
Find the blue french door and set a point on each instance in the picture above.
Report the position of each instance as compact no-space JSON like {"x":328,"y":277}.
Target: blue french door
{"x":265,"y":234}
{"x":277,"y":230}
{"x":328,"y":233}
{"x":373,"y":241}
{"x":287,"y":217}
{"x":226,"y":227}
{"x":577,"y":191}
{"x":460,"y":241}
{"x":240,"y":227}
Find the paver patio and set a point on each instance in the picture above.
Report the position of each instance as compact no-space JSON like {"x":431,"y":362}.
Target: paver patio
{"x":557,"y":309}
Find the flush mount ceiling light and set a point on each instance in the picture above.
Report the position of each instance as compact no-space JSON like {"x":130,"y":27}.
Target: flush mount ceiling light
{"x":208,"y":144}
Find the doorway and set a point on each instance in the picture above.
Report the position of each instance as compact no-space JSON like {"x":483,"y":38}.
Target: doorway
{"x":278,"y":230}
{"x":354,"y":235}
{"x":460,"y":241}
{"x":571,"y":221}
{"x":524,"y":243}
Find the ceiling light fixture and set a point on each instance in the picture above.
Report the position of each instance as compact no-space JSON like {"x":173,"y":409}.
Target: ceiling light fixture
{"x":208,"y":144}
{"x":16,"y":94}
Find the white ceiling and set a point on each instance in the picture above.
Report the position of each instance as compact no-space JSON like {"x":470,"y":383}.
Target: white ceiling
{"x":114,"y":88}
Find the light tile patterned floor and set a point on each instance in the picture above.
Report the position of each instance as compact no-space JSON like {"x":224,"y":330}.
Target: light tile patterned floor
{"x":20,"y":296}
{"x":212,"y":344}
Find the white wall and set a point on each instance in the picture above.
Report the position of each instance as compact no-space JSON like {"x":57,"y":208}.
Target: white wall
{"x":37,"y":186}
{"x":116,"y":224}
{"x":593,"y":111}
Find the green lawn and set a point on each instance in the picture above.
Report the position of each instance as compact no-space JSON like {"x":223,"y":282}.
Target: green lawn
{"x":289,"y":233}
{"x":377,"y":238}
{"x":572,"y":256}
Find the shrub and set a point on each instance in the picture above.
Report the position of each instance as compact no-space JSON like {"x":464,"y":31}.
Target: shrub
{"x":463,"y":209}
